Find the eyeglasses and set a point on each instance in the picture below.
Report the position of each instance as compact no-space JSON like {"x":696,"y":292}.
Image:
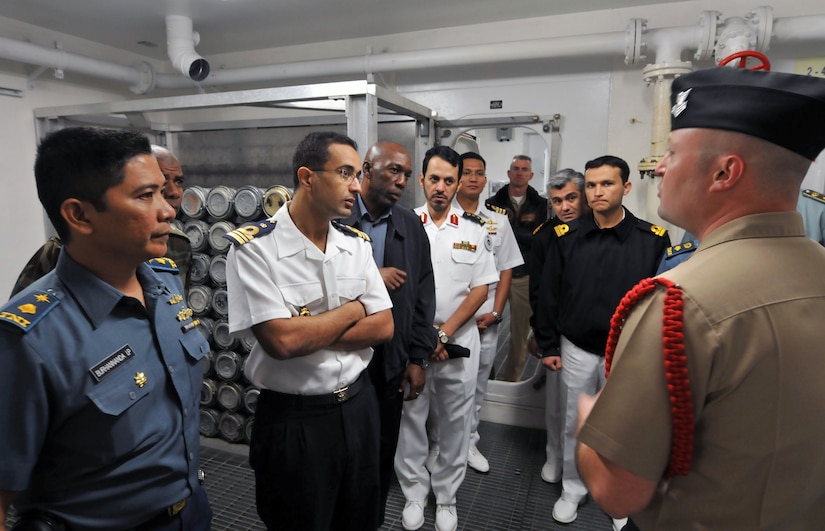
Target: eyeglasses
{"x":346,"y":174}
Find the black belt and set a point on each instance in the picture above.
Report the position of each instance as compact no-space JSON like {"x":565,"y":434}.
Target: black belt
{"x":339,"y":396}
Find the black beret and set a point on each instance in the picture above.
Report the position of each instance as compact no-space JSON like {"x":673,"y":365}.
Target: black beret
{"x":784,"y":109}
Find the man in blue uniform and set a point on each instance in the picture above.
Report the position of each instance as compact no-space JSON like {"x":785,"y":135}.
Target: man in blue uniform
{"x":590,"y":265}
{"x":101,"y":358}
{"x":402,"y":253}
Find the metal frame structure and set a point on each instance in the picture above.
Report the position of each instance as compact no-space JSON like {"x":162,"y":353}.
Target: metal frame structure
{"x":360,"y":104}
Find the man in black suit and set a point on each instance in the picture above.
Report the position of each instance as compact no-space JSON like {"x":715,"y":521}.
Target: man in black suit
{"x":402,"y":252}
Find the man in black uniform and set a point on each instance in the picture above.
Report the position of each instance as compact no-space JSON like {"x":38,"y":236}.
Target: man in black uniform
{"x":526,"y":210}
{"x":402,"y":253}
{"x":590,"y":265}
{"x":565,"y":190}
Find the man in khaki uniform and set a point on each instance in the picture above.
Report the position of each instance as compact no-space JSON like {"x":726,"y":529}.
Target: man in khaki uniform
{"x":739,"y":441}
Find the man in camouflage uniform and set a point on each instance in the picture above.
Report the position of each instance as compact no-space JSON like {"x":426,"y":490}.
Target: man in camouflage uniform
{"x":178,"y":247}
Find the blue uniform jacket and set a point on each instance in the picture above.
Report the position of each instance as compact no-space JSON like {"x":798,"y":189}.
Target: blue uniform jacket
{"x":99,"y":397}
{"x":413,"y":304}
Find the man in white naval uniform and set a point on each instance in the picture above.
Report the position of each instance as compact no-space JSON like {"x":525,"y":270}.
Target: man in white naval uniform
{"x":463,"y":267}
{"x":506,"y":256}
{"x":310,"y":292}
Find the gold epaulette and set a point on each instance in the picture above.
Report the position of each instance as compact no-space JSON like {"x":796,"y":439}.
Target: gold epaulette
{"x":351,"y":231}
{"x":249,"y":232}
{"x":28,"y":310}
{"x":163,"y":264}
{"x":495,"y":208}
{"x":816,"y":196}
{"x":478,"y":219}
{"x":687,"y":247}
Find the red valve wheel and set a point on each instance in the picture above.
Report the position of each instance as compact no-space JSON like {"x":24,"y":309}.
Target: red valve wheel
{"x":764,"y":62}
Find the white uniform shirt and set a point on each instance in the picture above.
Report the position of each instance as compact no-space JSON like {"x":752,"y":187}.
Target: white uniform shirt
{"x":506,"y":254}
{"x":279,"y":274}
{"x":462,"y":260}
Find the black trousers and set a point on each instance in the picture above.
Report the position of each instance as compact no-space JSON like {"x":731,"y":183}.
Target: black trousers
{"x":316,"y":465}
{"x":390,"y":406}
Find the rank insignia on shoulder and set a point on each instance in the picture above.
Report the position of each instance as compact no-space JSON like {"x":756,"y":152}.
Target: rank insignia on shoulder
{"x":814,"y":195}
{"x":351,"y":231}
{"x":29,"y":310}
{"x":687,"y":247}
{"x":495,"y":208}
{"x":164,"y":264}
{"x":537,"y":229}
{"x":474,"y":217}
{"x":561,"y":229}
{"x":658,"y":231}
{"x":249,"y":232}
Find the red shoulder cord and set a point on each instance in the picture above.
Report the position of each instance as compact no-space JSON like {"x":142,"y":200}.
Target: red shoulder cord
{"x":678,"y":385}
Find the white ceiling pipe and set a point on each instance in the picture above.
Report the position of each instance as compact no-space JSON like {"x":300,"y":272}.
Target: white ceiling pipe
{"x":798,"y":30}
{"x":670,"y":43}
{"x":143,"y":79}
{"x":28,"y":53}
{"x":180,"y":46}
{"x":605,"y":44}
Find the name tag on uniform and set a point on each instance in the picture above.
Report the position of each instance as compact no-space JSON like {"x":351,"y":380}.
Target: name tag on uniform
{"x":112,"y":362}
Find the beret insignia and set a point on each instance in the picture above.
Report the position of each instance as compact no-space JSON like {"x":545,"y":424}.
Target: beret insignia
{"x":351,"y":231}
{"x":249,"y":232}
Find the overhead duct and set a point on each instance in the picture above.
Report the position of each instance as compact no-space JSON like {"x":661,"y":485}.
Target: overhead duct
{"x":180,"y":46}
{"x":667,"y":44}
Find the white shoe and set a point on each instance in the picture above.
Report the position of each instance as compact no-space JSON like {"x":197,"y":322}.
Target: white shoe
{"x":413,"y":516}
{"x":565,"y":511}
{"x":619,"y":523}
{"x":476,"y":461}
{"x":551,"y":472}
{"x":430,"y":462}
{"x":446,"y":518}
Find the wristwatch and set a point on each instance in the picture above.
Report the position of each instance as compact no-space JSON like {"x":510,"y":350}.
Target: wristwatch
{"x":421,"y":362}
{"x":497,"y":316}
{"x":442,"y":335}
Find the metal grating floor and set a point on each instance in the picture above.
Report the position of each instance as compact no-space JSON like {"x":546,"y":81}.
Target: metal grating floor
{"x":511,"y":497}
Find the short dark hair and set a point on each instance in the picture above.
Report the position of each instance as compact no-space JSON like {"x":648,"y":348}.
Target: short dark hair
{"x":610,"y":160}
{"x":82,"y":163}
{"x":559,"y":180}
{"x":313,"y":151}
{"x":446,"y":153}
{"x":474,"y":156}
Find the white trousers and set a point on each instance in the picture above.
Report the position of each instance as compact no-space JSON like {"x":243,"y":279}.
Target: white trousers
{"x":555,"y":401}
{"x":582,"y":372}
{"x":448,"y":393}
{"x":489,"y":343}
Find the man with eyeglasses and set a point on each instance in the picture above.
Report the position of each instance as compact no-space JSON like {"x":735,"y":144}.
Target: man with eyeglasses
{"x":402,"y":254}
{"x":463,"y":267}
{"x":506,"y":256}
{"x":309,"y":291}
